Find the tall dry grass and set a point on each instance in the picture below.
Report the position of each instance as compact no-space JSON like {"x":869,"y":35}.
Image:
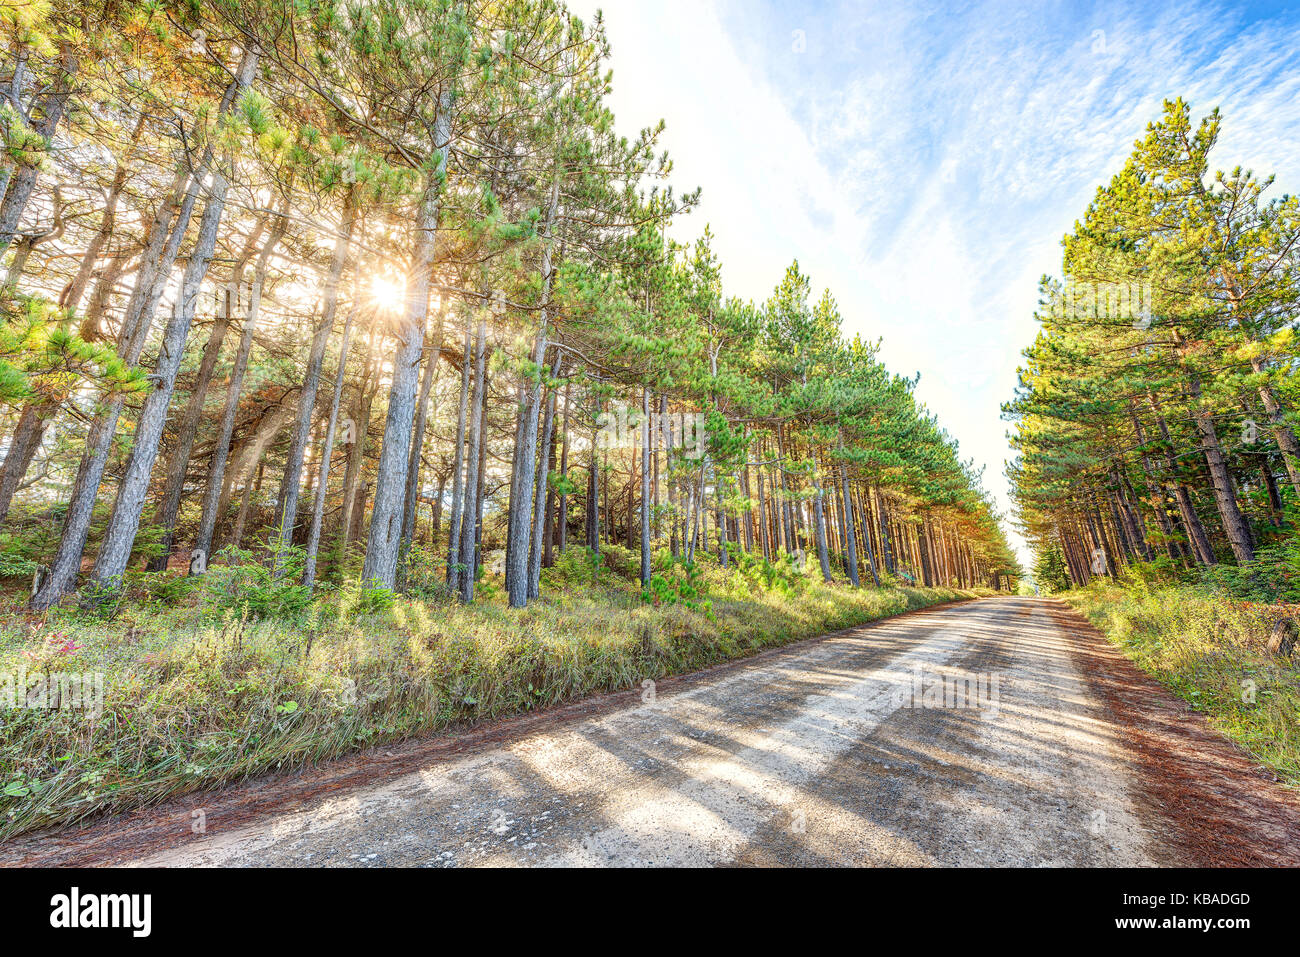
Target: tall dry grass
{"x":1211,"y":651}
{"x":196,"y":699}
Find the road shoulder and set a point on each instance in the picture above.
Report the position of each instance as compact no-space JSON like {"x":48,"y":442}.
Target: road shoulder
{"x":1222,"y":806}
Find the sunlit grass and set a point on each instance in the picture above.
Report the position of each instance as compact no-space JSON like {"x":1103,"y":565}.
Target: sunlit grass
{"x":192,"y":702}
{"x":1211,"y":651}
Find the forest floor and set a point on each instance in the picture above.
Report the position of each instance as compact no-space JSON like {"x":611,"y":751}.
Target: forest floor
{"x":198,"y":693}
{"x":817,"y":753}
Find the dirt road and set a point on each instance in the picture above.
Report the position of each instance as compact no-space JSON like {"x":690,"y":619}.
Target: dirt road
{"x":974,"y":734}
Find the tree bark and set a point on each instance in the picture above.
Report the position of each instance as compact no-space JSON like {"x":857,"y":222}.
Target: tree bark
{"x":520,"y":523}
{"x":469,"y":517}
{"x":645,"y":490}
{"x":819,"y":527}
{"x":562,"y":516}
{"x":124,"y":522}
{"x":539,"y":498}
{"x":412,"y":495}
{"x":178,"y":464}
{"x":383,"y":545}
{"x":458,"y":482}
{"x":161,"y":247}
{"x":1234,"y":523}
{"x":1286,"y":439}
{"x":210,"y":510}
{"x":850,"y":533}
{"x":286,"y":513}
{"x":51,"y":104}
{"x":327,"y":453}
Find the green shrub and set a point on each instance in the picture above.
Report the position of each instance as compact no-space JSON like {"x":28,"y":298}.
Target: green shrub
{"x":15,"y":564}
{"x":169,"y":588}
{"x":1274,"y":575}
{"x":781,"y":576}
{"x":236,"y":584}
{"x":681,"y":583}
{"x":425,"y":572}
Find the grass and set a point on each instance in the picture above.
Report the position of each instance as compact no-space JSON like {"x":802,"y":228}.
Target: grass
{"x":199,"y":694}
{"x":1211,"y":651}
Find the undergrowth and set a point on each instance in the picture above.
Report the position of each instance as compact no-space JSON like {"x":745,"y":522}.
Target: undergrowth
{"x":1209,"y":647}
{"x":241,"y":672}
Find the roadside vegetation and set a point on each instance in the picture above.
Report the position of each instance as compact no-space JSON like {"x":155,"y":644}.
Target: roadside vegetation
{"x":239,"y":676}
{"x":1208,"y":641}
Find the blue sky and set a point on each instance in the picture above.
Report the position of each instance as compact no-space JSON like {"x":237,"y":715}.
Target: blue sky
{"x":924,"y":160}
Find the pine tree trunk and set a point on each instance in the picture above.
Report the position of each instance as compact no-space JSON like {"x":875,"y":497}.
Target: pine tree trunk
{"x":591,"y":512}
{"x":562,"y":518}
{"x":539,"y":498}
{"x":177,"y":466}
{"x":212,"y":505}
{"x":412,"y":496}
{"x":1286,"y":438}
{"x":866,"y":542}
{"x":1154,"y":489}
{"x":390,"y":483}
{"x":480,"y":494}
{"x":519,"y":521}
{"x":359,"y":513}
{"x":1195,"y":531}
{"x":286,"y":513}
{"x":51,"y":105}
{"x":886,"y":548}
{"x":125,"y":519}
{"x":550,"y":518}
{"x":71,"y":297}
{"x":89,"y":330}
{"x":164,"y":242}
{"x":477,"y":442}
{"x":327,"y":453}
{"x":435,"y":516}
{"x":36,"y":414}
{"x":720,"y":519}
{"x":645,"y":492}
{"x":23,"y":446}
{"x":178,"y":462}
{"x":458,"y":473}
{"x":161,"y":246}
{"x":819,"y":527}
{"x":124,"y":522}
{"x":1234,"y":523}
{"x":1274,"y":498}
